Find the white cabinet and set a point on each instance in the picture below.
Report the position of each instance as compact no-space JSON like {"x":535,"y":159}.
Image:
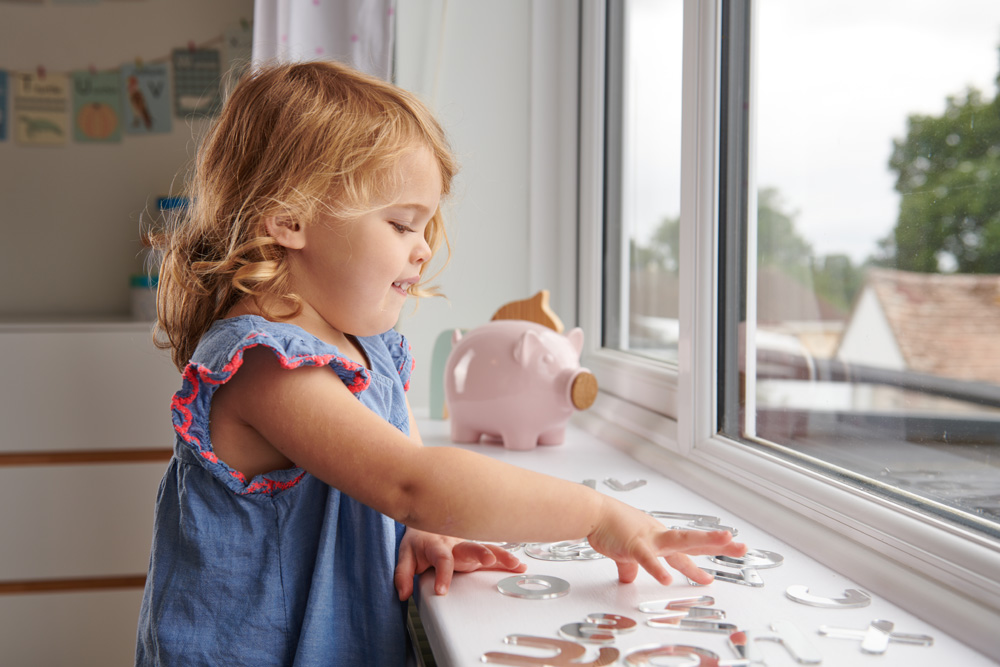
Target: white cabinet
{"x":76,"y":534}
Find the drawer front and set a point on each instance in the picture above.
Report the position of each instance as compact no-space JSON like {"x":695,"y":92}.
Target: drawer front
{"x":93,"y":629}
{"x":64,"y":521}
{"x":84,"y":390}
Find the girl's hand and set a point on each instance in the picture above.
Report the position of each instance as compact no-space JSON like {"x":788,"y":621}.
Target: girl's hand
{"x":633,"y":538}
{"x":419,"y":551}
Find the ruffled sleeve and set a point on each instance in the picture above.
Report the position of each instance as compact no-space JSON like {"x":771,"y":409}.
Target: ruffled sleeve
{"x":218,"y":360}
{"x":402,"y":355}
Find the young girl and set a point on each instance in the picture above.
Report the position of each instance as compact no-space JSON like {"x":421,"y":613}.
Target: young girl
{"x":279,"y":533}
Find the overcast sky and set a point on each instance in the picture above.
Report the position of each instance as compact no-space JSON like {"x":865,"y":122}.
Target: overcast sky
{"x":836,"y":82}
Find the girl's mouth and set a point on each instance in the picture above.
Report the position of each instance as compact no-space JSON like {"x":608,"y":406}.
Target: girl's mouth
{"x":403,"y":286}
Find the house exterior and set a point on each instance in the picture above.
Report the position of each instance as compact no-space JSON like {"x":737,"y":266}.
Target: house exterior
{"x":939,"y":324}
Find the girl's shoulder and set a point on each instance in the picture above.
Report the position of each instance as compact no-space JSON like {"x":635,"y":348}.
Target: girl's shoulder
{"x":221,"y":349}
{"x":235,"y":334}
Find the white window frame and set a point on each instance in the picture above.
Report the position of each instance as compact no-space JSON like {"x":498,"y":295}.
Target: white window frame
{"x":668,"y":418}
{"x":626,"y":380}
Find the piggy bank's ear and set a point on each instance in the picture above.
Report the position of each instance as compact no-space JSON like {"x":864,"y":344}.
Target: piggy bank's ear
{"x":575,"y":337}
{"x":528,"y":346}
{"x":456,"y":336}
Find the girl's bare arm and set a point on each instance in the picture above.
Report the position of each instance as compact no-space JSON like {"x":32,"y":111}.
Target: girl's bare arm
{"x":311,"y":417}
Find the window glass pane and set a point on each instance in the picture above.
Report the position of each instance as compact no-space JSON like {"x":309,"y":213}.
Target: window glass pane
{"x":876,"y":311}
{"x":643,"y":177}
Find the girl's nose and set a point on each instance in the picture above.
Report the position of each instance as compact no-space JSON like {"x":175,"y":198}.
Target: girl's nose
{"x":421,"y":252}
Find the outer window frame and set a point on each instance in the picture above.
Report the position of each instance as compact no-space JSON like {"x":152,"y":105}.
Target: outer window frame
{"x":626,"y":379}
{"x":671,"y":419}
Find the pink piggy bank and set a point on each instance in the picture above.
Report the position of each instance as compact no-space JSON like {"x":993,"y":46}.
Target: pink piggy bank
{"x":517,"y":381}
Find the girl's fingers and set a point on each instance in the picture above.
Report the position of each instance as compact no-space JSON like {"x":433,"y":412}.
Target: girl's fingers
{"x":683,"y":564}
{"x":447,"y":555}
{"x":650,"y":562}
{"x":734,"y":550}
{"x":696,"y":542}
{"x":442,"y":577}
{"x":444,"y":566}
{"x":675,"y":547}
{"x":405,"y":571}
{"x":505,"y":560}
{"x":627,"y":572}
{"x":471,"y":556}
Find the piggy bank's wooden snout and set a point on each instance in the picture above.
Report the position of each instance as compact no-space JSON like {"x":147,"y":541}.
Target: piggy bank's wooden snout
{"x":583,"y":391}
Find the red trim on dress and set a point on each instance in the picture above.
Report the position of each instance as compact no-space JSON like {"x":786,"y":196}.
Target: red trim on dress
{"x":194,"y":375}
{"x":266,"y":485}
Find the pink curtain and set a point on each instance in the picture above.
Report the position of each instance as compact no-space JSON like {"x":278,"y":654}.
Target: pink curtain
{"x":358,"y":32}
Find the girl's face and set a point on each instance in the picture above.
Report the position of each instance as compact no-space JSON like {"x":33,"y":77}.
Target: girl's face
{"x":355,"y":274}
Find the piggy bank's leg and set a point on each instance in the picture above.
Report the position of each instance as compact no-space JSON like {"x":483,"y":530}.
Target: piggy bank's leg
{"x":553,"y":437}
{"x":464,"y":434}
{"x":518,"y":439}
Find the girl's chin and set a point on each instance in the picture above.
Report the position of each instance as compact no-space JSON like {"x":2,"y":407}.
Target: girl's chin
{"x":381,"y":322}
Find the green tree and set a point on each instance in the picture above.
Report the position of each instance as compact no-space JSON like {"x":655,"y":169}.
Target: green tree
{"x":661,"y":250}
{"x":778,"y":242}
{"x":834,"y":278}
{"x":948,"y":176}
{"x":779,"y":246}
{"x":837,"y":279}
{"x":777,"y":239}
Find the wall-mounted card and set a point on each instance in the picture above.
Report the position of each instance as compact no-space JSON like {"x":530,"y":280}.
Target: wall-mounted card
{"x":97,"y":106}
{"x":147,"y":98}
{"x":197,"y":79}
{"x":41,"y":103}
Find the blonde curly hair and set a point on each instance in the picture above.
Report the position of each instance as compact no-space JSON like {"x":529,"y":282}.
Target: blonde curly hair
{"x":294,"y":140}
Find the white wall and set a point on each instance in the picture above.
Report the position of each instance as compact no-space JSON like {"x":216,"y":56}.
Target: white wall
{"x":470,"y":62}
{"x":868,"y":338}
{"x":70,"y":215}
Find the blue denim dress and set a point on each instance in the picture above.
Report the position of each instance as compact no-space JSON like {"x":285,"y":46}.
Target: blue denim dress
{"x":281,"y":569}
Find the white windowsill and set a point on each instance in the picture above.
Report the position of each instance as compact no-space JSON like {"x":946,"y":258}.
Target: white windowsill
{"x":474,"y":617}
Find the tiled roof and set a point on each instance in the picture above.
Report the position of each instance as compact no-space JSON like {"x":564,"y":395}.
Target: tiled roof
{"x":944,"y":324}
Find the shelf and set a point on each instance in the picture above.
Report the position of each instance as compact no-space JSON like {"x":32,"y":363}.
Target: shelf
{"x":73,"y":325}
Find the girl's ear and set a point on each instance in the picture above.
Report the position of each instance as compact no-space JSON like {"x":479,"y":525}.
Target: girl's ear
{"x":287,"y":231}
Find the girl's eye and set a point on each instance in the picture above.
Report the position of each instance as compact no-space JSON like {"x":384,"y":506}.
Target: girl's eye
{"x":402,"y":229}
